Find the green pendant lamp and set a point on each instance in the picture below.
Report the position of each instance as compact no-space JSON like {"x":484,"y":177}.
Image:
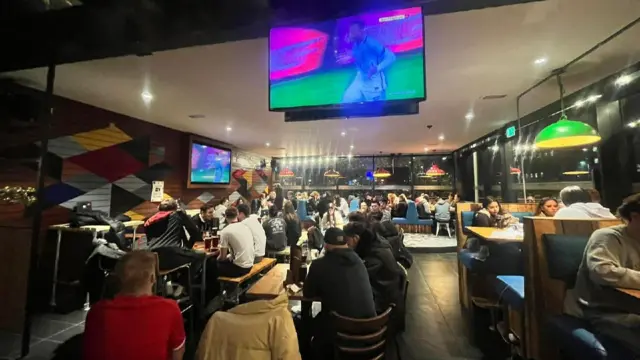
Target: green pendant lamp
{"x":566,"y":133}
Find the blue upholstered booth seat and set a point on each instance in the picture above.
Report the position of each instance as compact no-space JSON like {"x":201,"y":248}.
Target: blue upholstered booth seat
{"x":575,"y":339}
{"x":511,"y":289}
{"x":301,"y":211}
{"x":466,"y":259}
{"x":412,"y":217}
{"x":521,"y":215}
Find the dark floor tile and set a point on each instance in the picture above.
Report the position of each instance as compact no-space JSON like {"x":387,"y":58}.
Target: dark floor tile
{"x":44,"y":328}
{"x":65,"y":335}
{"x":9,"y":343}
{"x":75,"y":317}
{"x":41,"y":350}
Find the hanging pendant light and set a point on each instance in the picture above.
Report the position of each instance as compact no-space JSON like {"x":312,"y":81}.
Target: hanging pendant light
{"x":515,"y":171}
{"x":582,"y":169}
{"x":381,"y":173}
{"x":286,"y":172}
{"x":435,"y":170}
{"x":566,"y":133}
{"x":331,"y":174}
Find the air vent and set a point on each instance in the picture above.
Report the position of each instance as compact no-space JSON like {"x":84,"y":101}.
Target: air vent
{"x":493,"y":97}
{"x":197,"y":116}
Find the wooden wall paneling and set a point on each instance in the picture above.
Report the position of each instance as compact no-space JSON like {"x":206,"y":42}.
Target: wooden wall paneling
{"x":545,"y":296}
{"x":14,"y":273}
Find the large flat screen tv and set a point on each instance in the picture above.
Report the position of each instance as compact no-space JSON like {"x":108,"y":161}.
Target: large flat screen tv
{"x":369,"y":58}
{"x":209,"y":165}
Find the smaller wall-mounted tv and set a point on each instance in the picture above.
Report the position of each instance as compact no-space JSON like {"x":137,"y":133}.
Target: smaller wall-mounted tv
{"x":209,"y":165}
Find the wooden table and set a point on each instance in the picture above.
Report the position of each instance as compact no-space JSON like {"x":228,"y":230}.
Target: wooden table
{"x":492,"y":234}
{"x":199,"y":246}
{"x":634,"y":293}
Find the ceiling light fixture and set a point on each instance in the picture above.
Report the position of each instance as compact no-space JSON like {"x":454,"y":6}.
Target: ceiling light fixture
{"x":267,"y":144}
{"x":146,"y":96}
{"x":495,"y":148}
{"x":624,"y":80}
{"x":381,"y":173}
{"x":469,"y":116}
{"x":566,"y":133}
{"x":441,"y":137}
{"x":343,"y":133}
{"x":229,"y":128}
{"x":351,"y":147}
{"x":540,"y":61}
{"x":426,"y":149}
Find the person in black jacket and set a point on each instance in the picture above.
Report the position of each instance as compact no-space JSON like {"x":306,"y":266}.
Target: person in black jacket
{"x":205,"y":221}
{"x":388,"y":231}
{"x":166,"y":236}
{"x":294,"y":227}
{"x":385,"y":275}
{"x":339,"y":279}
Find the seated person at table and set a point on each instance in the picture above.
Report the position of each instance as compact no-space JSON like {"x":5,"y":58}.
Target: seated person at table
{"x":388,"y":231}
{"x":236,"y":247}
{"x":357,"y":216}
{"x":547,"y":207}
{"x":274,"y":228}
{"x":492,"y":215}
{"x":401,"y":207}
{"x":385,"y":275}
{"x":578,"y":205}
{"x":331,"y":218}
{"x":443,"y":210}
{"x":611,"y":260}
{"x":205,"y":220}
{"x":340,"y":281}
{"x":260,"y":329}
{"x":385,"y":209}
{"x":257,"y":232}
{"x":114,"y":328}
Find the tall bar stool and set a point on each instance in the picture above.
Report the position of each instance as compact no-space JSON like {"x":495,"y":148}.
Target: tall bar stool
{"x":161,"y":281}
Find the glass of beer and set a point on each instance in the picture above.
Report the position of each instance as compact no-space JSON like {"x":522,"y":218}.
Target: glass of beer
{"x":215,"y":240}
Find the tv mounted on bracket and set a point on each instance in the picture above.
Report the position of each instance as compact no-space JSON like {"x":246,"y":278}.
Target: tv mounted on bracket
{"x":209,"y":165}
{"x":365,"y":60}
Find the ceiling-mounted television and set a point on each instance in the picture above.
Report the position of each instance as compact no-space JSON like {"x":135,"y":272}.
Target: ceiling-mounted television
{"x":370,"y":58}
{"x":208,"y":164}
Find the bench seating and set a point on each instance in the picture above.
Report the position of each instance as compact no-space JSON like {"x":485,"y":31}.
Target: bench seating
{"x":263,"y":266}
{"x":412,"y":223}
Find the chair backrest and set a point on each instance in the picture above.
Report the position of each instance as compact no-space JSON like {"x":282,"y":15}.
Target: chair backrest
{"x":301,"y":210}
{"x":548,"y":270}
{"x":412,"y":211}
{"x":361,"y":338}
{"x":521,"y":214}
{"x":354,"y":205}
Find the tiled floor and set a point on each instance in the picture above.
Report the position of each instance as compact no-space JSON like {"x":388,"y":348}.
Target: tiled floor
{"x":429,"y":243}
{"x":434,"y":325}
{"x":47,"y":333}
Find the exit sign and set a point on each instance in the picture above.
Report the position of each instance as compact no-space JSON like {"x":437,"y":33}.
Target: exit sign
{"x":510,"y":132}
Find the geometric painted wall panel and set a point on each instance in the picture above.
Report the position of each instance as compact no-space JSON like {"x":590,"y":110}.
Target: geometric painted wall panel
{"x":131,"y":183}
{"x":205,"y":197}
{"x":111,"y":163}
{"x":138,"y":148}
{"x":101,"y":138}
{"x":60,"y":193}
{"x":65,"y":147}
{"x":87,"y":182}
{"x":123,"y":200}
{"x":100,"y":199}
{"x":155,"y":172}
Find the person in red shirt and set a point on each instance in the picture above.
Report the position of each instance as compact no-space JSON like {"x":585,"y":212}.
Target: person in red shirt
{"x":135,"y":325}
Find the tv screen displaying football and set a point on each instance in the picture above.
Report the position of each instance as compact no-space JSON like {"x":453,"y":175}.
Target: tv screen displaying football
{"x":372,"y":57}
{"x":209,"y":164}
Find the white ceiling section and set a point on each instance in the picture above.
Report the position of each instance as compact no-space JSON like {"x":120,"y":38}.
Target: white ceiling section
{"x":469,"y":55}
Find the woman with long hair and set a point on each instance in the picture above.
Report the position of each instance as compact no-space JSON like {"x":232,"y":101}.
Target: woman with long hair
{"x":332,"y":218}
{"x":492,"y":215}
{"x":547,"y":207}
{"x":294,"y":228}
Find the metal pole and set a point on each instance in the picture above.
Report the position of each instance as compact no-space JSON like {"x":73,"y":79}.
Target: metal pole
{"x":46,"y":116}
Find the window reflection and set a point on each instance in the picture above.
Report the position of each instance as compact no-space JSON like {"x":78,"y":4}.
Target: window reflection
{"x":433,"y":172}
{"x":355,"y":171}
{"x":392,"y":170}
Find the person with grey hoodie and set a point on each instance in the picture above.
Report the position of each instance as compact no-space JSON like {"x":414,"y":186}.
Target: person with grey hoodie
{"x":578,"y":205}
{"x":443,"y":214}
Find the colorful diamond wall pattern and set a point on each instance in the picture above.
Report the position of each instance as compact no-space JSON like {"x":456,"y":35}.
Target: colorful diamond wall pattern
{"x":101,"y":138}
{"x":100,"y":199}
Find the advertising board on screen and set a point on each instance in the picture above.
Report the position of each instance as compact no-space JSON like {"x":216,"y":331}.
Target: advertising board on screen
{"x":372,"y":57}
{"x":209,"y":164}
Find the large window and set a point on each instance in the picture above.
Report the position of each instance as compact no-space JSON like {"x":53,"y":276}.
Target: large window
{"x":356,"y":172}
{"x":392,"y":171}
{"x":433,"y":172}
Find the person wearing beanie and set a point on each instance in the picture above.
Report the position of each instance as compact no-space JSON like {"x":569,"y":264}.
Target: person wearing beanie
{"x":339,"y":279}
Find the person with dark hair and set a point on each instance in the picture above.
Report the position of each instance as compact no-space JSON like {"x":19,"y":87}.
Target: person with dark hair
{"x":492,"y":215}
{"x":357,"y":216}
{"x":331,"y":218}
{"x":578,"y":205}
{"x":388,"y":231}
{"x":275,"y":231}
{"x":236,"y":247}
{"x":113,"y":327}
{"x":611,"y":260}
{"x":401,"y":207}
{"x":384,"y":208}
{"x":547,"y":207}
{"x":339,"y":279}
{"x":253,"y":223}
{"x":385,"y":275}
{"x":294,"y":227}
{"x":323,"y":205}
{"x":205,"y":220}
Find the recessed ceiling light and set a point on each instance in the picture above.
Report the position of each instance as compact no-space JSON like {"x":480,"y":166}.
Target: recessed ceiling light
{"x":343,"y":133}
{"x":540,"y":61}
{"x":146,"y":96}
{"x":426,"y":149}
{"x":351,"y":147}
{"x":441,"y":137}
{"x":495,"y":148}
{"x":267,"y":144}
{"x":444,"y":158}
{"x":229,"y":128}
{"x":469,"y":116}
{"x":624,"y":80}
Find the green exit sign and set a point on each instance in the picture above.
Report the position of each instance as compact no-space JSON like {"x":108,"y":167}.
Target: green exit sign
{"x":510,"y":132}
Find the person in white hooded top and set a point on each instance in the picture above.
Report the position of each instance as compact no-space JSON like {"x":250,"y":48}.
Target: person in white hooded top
{"x":578,"y":205}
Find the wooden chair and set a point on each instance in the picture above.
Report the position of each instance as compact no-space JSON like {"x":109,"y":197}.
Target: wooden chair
{"x":361,"y":338}
{"x":544,"y":295}
{"x":161,"y":281}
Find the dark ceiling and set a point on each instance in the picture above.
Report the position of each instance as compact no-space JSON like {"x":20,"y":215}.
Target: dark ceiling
{"x":36,"y":32}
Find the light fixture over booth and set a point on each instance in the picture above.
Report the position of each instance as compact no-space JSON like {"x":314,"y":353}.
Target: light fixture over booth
{"x":331,"y":174}
{"x":381,"y":173}
{"x":435,"y":170}
{"x":566,"y":133}
{"x":286,"y":173}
